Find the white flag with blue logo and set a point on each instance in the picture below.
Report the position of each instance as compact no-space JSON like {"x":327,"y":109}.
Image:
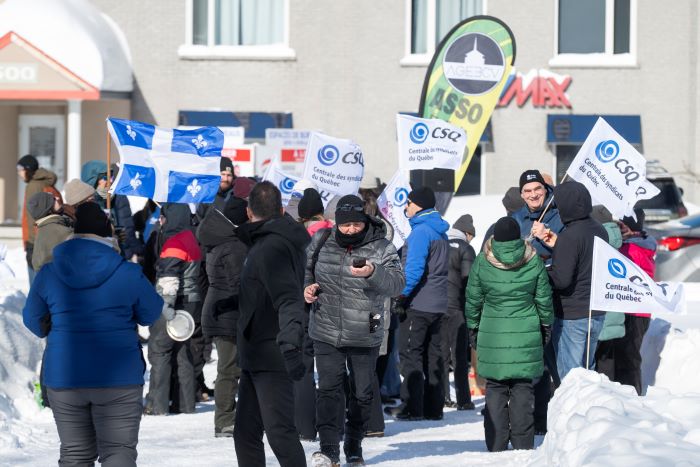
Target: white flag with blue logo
{"x":167,"y":164}
{"x":612,"y":170}
{"x":281,"y":180}
{"x":391,"y":204}
{"x":429,"y":143}
{"x":333,"y":164}
{"x":619,"y":285}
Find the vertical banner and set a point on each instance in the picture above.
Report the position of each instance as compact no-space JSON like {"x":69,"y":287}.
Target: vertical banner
{"x":391,"y":204}
{"x":333,"y":164}
{"x":466,"y":77}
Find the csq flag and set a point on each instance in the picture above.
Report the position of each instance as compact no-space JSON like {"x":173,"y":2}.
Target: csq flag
{"x":619,"y":285}
{"x":167,"y":164}
{"x":333,"y":164}
{"x":429,"y":143}
{"x":612,"y":170}
{"x":391,"y":204}
{"x":466,"y":76}
{"x":284,"y":182}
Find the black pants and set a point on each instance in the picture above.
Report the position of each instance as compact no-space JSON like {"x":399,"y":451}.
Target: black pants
{"x":332,"y":364}
{"x":509,"y":414}
{"x":305,"y":394}
{"x":620,"y":359}
{"x":266,"y":405}
{"x":420,"y":362}
{"x":226,"y":384}
{"x":543,"y":387}
{"x":162,"y":350}
{"x":455,"y":350}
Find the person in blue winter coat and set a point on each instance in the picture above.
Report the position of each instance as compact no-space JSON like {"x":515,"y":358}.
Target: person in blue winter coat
{"x":426,"y":260}
{"x":87,"y":302}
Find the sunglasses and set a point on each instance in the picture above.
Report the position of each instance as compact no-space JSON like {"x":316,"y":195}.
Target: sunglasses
{"x":350,"y":208}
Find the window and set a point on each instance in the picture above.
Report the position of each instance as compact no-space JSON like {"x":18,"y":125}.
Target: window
{"x":595,"y":33}
{"x":427,"y":23}
{"x":237,"y":29}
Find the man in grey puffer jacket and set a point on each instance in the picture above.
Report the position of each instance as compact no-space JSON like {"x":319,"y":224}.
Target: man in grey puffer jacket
{"x":347,"y":320}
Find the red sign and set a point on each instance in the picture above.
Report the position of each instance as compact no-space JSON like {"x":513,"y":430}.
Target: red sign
{"x":292,"y":155}
{"x":237,"y":155}
{"x":546,"y":89}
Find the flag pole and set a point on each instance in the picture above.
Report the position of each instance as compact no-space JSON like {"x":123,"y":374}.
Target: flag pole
{"x":109,"y":168}
{"x":551,"y":199}
{"x":588,"y":344}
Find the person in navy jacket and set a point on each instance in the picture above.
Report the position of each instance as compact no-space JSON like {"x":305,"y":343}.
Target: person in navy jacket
{"x":87,"y":302}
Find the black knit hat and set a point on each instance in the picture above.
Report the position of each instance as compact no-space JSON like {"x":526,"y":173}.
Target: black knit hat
{"x":350,"y":208}
{"x":310,"y":204}
{"x":29,"y":163}
{"x":91,"y":219}
{"x":465,"y":224}
{"x":506,"y":229}
{"x":40,"y":204}
{"x":225,"y":165}
{"x":235,"y":210}
{"x":512,"y":200}
{"x":530,"y":176}
{"x":638,"y":225}
{"x":423,"y":197}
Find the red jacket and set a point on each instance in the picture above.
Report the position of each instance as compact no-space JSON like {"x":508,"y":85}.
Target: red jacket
{"x":642,"y":257}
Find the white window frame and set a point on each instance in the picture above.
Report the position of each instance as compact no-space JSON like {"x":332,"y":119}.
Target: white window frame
{"x":190,"y":51}
{"x":606,"y":59}
{"x":422,"y":60}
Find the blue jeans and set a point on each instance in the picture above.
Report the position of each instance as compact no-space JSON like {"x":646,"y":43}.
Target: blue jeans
{"x":569,"y":337}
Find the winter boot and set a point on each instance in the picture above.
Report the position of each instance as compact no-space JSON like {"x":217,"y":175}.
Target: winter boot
{"x":319,"y":459}
{"x":353,"y":452}
{"x":225,"y":432}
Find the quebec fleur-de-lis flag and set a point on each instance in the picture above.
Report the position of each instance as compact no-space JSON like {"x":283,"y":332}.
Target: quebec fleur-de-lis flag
{"x":466,"y":77}
{"x":167,"y":164}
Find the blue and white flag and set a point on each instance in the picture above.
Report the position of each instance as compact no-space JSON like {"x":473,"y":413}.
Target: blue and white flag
{"x":333,"y":164}
{"x":391,"y":204}
{"x":281,"y":180}
{"x":167,"y":164}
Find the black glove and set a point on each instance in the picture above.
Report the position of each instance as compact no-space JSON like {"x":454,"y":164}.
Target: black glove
{"x":294,"y":364}
{"x":473,"y":333}
{"x":546,"y":334}
{"x":120,"y":232}
{"x":29,"y":251}
{"x":399,"y":305}
{"x":45,"y":324}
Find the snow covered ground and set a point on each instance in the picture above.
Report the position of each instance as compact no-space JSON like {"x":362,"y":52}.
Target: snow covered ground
{"x":593,"y":421}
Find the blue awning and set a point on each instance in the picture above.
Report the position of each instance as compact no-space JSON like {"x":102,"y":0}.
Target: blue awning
{"x":573,"y":129}
{"x":486,"y":136}
{"x":255,"y":123}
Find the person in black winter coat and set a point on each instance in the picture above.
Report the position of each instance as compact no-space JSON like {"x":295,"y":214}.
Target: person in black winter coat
{"x":570,"y":275}
{"x":455,"y":341}
{"x":224,"y":261}
{"x":270,"y":331}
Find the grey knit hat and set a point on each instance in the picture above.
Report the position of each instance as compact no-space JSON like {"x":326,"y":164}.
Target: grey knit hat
{"x":40,"y":205}
{"x":465,"y":224}
{"x":77,"y":191}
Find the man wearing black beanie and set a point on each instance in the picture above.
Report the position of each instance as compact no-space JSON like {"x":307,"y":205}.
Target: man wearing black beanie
{"x":425,"y":300}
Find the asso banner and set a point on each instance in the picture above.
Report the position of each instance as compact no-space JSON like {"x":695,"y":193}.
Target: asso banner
{"x":281,"y":180}
{"x":619,"y":285}
{"x":429,"y":143}
{"x":613,"y":171}
{"x":333,"y":164}
{"x":391,"y":204}
{"x":466,"y":77}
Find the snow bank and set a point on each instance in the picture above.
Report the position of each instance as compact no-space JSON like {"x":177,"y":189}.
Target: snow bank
{"x":593,"y":421}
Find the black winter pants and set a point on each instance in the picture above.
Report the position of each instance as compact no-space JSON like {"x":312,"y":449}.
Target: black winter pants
{"x":421,"y":365}
{"x":455,"y":350}
{"x":226,"y":384}
{"x":161,"y":351}
{"x":332,"y":364}
{"x":305,"y":394}
{"x":620,"y":359}
{"x":94,"y":422}
{"x":509,"y":414}
{"x":266,"y":405}
{"x":543,"y":387}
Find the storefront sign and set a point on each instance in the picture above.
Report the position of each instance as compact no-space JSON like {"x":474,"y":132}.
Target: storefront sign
{"x":542,"y":87}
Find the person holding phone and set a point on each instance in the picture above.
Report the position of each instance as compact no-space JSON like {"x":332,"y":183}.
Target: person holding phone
{"x":351,"y":269}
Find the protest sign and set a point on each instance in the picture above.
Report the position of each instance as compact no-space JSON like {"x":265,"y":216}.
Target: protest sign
{"x":391,"y":204}
{"x":429,"y":143}
{"x":612,"y":170}
{"x":334,"y":164}
{"x":281,"y":180}
{"x":619,"y":285}
{"x":466,"y":76}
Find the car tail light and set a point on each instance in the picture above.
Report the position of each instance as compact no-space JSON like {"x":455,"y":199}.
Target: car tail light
{"x":676,"y":243}
{"x":682,"y":211}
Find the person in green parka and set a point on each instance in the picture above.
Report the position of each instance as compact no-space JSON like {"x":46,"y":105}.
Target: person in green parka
{"x":509,"y":312}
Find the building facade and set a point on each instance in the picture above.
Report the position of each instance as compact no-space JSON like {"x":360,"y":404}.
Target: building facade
{"x":347,"y":67}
